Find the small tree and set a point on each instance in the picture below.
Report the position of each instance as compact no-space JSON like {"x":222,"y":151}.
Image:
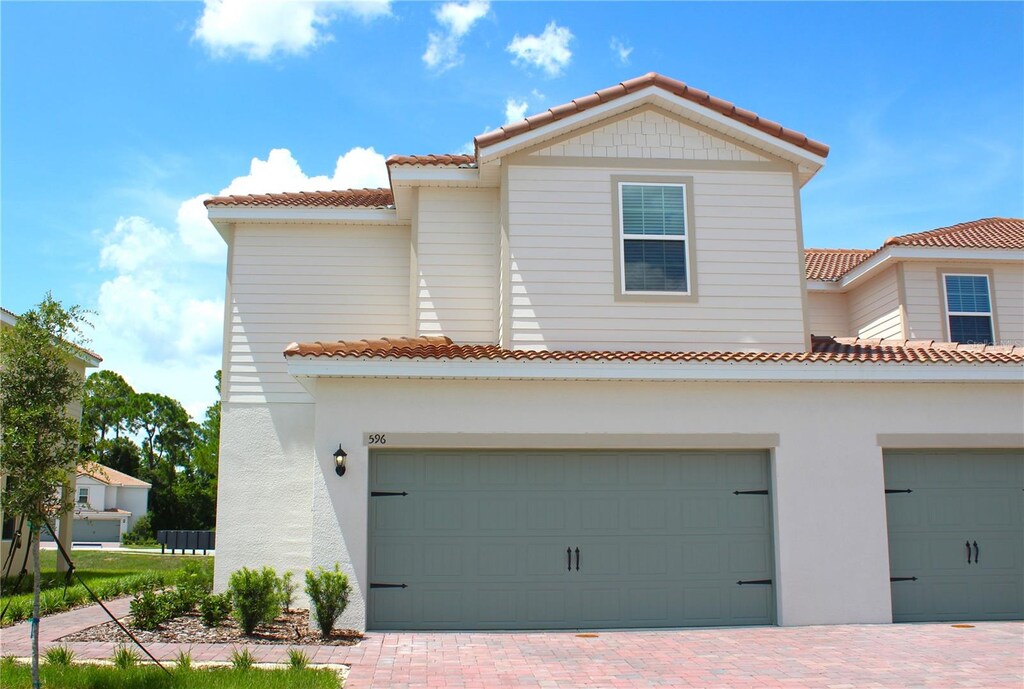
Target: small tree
{"x":39,"y":437}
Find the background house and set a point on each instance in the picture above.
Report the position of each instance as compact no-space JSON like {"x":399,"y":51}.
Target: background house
{"x":589,"y":377}
{"x":107,"y":504}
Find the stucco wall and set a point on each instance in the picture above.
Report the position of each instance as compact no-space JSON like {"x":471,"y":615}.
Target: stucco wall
{"x":264,"y":491}
{"x":135,"y":500}
{"x":830,"y":528}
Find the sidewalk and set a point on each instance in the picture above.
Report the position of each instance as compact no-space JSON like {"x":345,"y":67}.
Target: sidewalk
{"x":986,"y":654}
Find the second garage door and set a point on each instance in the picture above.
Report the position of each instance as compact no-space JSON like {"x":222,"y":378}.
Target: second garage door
{"x":563,"y":540}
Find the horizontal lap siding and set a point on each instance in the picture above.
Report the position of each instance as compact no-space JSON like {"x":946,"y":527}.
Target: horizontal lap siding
{"x":827,"y":314}
{"x":563,"y":266}
{"x":457,"y":261}
{"x":925,"y":313}
{"x":309,"y":283}
{"x":875,"y":307}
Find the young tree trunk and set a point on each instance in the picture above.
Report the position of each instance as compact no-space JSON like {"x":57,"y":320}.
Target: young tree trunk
{"x":36,"y":585}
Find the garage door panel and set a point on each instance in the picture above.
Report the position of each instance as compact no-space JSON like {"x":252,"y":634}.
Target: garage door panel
{"x":959,"y":498}
{"x":482,"y":547}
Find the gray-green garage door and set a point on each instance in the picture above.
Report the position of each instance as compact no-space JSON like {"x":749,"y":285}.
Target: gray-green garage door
{"x":567,"y":540}
{"x":956,"y":534}
{"x":98,"y":530}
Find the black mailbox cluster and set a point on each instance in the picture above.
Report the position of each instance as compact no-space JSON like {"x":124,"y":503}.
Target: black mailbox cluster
{"x":185,"y":540}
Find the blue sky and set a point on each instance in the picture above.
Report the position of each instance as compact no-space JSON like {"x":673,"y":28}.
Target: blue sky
{"x":117,"y":117}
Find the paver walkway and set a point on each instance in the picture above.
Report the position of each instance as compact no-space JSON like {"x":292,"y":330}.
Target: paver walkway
{"x":989,"y":655}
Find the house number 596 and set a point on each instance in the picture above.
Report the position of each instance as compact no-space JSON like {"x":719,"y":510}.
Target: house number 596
{"x":376,"y":439}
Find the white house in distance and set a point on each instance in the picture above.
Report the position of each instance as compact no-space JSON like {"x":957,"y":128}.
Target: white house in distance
{"x":589,"y":377}
{"x":107,"y":503}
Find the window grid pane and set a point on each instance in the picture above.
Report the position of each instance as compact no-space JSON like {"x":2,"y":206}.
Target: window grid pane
{"x":967,"y":294}
{"x":653,"y":210}
{"x":971,"y":329}
{"x":654,"y":265}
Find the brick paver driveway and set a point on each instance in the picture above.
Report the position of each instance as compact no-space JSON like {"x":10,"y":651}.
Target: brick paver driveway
{"x":989,"y":655}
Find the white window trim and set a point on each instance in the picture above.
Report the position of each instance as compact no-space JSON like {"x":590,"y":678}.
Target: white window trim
{"x":79,"y":500}
{"x":989,"y":313}
{"x":623,"y":236}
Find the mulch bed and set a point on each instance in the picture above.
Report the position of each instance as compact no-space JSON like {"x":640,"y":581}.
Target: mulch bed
{"x":290,"y":628}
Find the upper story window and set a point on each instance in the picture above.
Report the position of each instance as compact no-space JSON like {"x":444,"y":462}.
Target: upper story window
{"x":83,"y":496}
{"x":969,"y":309}
{"x":654,"y":250}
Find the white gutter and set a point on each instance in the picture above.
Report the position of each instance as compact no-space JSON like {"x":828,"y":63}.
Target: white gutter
{"x":799,"y":372}
{"x":434,"y":173}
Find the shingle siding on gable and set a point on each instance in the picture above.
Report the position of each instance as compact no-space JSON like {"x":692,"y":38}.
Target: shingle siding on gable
{"x":293,"y":282}
{"x":650,"y":135}
{"x":749,"y":266}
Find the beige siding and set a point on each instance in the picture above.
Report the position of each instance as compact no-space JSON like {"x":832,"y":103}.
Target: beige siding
{"x":457,"y":264}
{"x":650,"y":134}
{"x":304,"y":283}
{"x":562,"y":268}
{"x":828,"y":313}
{"x":875,"y":307}
{"x":925,"y":301}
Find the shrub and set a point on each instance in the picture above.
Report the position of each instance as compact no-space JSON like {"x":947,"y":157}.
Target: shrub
{"x":297,"y":660}
{"x":286,"y":590}
{"x":75,"y":596}
{"x":125,"y":658}
{"x":60,"y":655}
{"x":148,"y":611}
{"x":51,"y":601}
{"x":243,"y":660}
{"x":254,"y":597}
{"x":215,"y":608}
{"x":328,"y":595}
{"x":196,"y":575}
{"x":19,"y":609}
{"x":142,"y":533}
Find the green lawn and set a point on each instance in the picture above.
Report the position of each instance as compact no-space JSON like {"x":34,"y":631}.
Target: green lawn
{"x":108,"y":573}
{"x":19,"y":676}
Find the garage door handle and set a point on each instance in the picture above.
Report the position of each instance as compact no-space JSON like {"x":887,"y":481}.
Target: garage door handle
{"x":968,"y":544}
{"x":577,"y":559}
{"x":568,"y":558}
{"x":975,"y":552}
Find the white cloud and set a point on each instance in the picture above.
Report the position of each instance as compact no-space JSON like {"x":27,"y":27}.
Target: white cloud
{"x":159,"y":317}
{"x":261,"y":29}
{"x":623,"y":50}
{"x":548,"y":51}
{"x":456,"y":20}
{"x":515,"y":110}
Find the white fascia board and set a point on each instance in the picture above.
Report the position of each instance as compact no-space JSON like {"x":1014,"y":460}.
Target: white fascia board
{"x":796,"y":372}
{"x":823,"y":286}
{"x":342,"y":216}
{"x":923,"y":253}
{"x":651,"y":94}
{"x":434,"y":173}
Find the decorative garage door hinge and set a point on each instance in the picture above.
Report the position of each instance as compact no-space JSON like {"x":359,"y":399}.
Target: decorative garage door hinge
{"x":389,"y":586}
{"x":384,"y":494}
{"x":897,"y":490}
{"x":750,"y":492}
{"x":902,"y":578}
{"x":761,"y":582}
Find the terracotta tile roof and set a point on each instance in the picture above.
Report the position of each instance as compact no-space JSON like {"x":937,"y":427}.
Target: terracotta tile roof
{"x":111,"y":477}
{"x":676,"y":88}
{"x":433,"y":159}
{"x":987,"y":233}
{"x":832,"y":264}
{"x":825,"y":349}
{"x":346,"y":198}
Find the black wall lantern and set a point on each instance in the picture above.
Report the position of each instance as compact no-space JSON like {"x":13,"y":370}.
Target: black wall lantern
{"x":339,"y":461}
